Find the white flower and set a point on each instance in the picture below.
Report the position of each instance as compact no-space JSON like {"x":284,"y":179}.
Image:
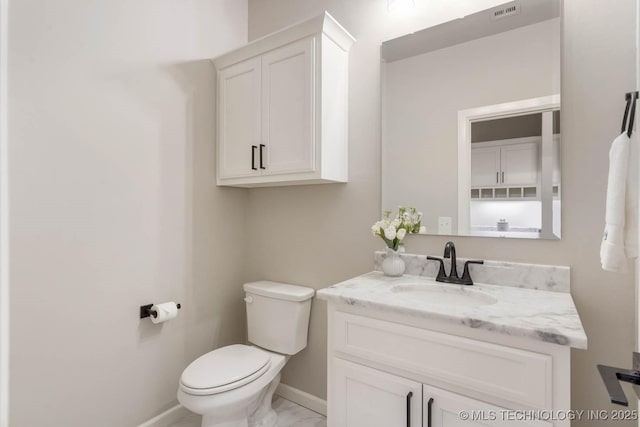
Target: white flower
{"x":390,"y":233}
{"x":375,"y":229}
{"x":423,"y":230}
{"x":395,"y":222}
{"x":401,"y":233}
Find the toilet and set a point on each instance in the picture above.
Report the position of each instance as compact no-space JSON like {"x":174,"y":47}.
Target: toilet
{"x":233,"y":386}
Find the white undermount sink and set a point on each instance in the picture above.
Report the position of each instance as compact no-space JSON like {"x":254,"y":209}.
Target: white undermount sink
{"x":443,"y":294}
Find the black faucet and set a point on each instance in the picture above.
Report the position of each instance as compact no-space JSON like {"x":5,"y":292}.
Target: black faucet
{"x":450,"y":252}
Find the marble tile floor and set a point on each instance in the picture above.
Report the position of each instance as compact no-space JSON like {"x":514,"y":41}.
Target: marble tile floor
{"x":289,"y":415}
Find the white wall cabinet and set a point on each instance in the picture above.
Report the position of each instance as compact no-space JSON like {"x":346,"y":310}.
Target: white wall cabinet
{"x":282,"y":108}
{"x":505,"y":164}
{"x":395,"y":371}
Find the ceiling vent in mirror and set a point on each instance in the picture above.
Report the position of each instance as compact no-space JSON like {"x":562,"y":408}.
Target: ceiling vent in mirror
{"x":507,"y":9}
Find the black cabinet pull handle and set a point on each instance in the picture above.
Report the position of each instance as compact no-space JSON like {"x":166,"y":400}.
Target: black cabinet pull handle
{"x":503,"y":177}
{"x":497,"y":177}
{"x":429,"y":403}
{"x":409,"y":396}
{"x":261,"y":151}
{"x":253,"y":157}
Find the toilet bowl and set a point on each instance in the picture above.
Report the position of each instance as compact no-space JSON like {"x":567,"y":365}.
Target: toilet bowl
{"x":233,"y":386}
{"x":225,"y":396}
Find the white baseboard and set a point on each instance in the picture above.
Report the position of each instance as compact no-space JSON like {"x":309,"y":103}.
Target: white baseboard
{"x":168,"y":417}
{"x":302,"y":398}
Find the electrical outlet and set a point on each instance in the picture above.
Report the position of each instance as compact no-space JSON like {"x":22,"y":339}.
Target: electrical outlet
{"x":444,"y":225}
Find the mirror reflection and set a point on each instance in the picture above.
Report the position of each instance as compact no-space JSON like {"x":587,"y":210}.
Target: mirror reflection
{"x":471,"y":123}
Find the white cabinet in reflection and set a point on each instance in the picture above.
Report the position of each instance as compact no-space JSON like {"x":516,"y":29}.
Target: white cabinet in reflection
{"x":519,"y":164}
{"x":504,"y":163}
{"x":485,"y":167}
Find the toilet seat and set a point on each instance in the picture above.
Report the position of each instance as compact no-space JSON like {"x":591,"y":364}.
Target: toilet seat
{"x":224,"y":369}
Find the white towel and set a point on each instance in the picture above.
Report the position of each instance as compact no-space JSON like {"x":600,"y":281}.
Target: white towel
{"x":620,"y":240}
{"x":631,"y":198}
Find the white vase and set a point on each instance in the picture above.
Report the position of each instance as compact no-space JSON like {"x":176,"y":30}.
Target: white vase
{"x":393,"y":264}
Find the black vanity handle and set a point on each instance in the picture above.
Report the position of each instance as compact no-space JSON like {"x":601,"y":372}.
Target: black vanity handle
{"x":409,"y":396}
{"x":503,"y":177}
{"x":466,"y":275}
{"x":441,"y":273}
{"x":473,"y":261}
{"x":429,"y":404}
{"x":261,"y":151}
{"x":497,"y":177}
{"x":253,"y":157}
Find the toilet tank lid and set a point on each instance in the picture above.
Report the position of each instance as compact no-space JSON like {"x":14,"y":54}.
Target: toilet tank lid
{"x":277,"y":290}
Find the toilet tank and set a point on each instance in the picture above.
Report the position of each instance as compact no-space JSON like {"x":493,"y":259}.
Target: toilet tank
{"x":278,"y":315}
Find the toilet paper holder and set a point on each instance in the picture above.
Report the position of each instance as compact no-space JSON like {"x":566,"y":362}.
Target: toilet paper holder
{"x":145,"y":311}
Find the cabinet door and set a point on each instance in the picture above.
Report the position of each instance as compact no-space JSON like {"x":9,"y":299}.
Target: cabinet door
{"x":288,"y":108}
{"x":520,"y":164}
{"x":365,"y":397}
{"x":239,"y":119}
{"x":485,"y":167}
{"x":446,"y":409}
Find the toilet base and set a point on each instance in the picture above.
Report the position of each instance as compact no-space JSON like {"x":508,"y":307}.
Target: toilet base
{"x":264,"y":415}
{"x":258,"y":414}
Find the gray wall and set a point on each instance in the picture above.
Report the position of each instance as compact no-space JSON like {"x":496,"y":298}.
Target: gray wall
{"x":319,"y":235}
{"x":113,"y":205}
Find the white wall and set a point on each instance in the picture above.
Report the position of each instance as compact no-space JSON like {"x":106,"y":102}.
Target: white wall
{"x":424,"y":93}
{"x":114,"y":205}
{"x":326,"y":239}
{"x":4,"y":222}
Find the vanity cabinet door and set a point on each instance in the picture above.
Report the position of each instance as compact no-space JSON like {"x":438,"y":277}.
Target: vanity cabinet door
{"x":485,"y":167}
{"x":288,"y":108}
{"x":446,"y":409}
{"x":239,"y":119}
{"x":366,"y":397}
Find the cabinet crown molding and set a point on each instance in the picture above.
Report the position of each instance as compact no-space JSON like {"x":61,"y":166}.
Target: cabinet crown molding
{"x":321,"y":24}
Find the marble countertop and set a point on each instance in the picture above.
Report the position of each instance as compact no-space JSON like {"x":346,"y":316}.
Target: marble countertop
{"x":535,"y":314}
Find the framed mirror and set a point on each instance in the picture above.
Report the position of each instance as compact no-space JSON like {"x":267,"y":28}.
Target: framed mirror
{"x":471,"y":123}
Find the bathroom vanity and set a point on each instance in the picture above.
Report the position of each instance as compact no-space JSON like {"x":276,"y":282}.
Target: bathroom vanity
{"x":415,"y":352}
